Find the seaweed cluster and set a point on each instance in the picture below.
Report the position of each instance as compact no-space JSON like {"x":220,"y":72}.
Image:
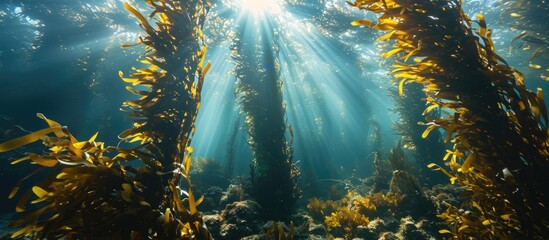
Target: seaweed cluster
{"x":498,"y":127}
{"x":343,"y":217}
{"x":91,"y":191}
{"x":259,"y":91}
{"x":277,"y":232}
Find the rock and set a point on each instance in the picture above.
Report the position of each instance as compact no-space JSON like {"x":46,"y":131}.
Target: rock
{"x":409,"y":229}
{"x":317,"y":229}
{"x":267,"y":226}
{"x":241,"y":212}
{"x":302,"y":223}
{"x":214,"y":224}
{"x":316,"y":237}
{"x":230,"y":231}
{"x":254,"y":237}
{"x":240,"y":219}
{"x":404,"y":183}
{"x":388,"y":236}
{"x":424,"y":224}
{"x":373,"y":230}
{"x":407,"y":224}
{"x":300,"y":218}
{"x":234,"y":193}
{"x":212,"y":198}
{"x":391,"y":224}
{"x":376,"y":226}
{"x":364,"y":232}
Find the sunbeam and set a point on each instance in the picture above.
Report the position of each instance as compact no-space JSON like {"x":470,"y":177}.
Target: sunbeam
{"x":260,"y":6}
{"x":275,"y":119}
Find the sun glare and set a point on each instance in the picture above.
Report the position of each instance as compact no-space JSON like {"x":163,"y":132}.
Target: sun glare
{"x":261,"y":6}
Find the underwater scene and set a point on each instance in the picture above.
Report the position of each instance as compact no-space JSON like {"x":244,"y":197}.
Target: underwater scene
{"x":274,"y":119}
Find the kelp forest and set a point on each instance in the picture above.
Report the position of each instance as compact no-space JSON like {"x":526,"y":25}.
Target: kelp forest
{"x":274,"y":119}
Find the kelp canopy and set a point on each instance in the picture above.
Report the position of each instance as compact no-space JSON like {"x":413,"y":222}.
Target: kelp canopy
{"x":92,"y":192}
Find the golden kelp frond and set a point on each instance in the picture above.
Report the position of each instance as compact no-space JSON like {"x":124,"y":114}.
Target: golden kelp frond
{"x":320,"y":208}
{"x":163,"y":115}
{"x":94,"y":196}
{"x":344,"y":221}
{"x":497,"y":126}
{"x":277,"y":232}
{"x":87,"y":194}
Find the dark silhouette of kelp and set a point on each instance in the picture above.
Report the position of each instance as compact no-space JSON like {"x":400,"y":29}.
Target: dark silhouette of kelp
{"x":259,"y":91}
{"x":410,"y":106}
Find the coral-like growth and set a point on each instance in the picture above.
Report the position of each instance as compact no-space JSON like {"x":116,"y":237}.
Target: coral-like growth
{"x":92,"y":195}
{"x":498,"y":127}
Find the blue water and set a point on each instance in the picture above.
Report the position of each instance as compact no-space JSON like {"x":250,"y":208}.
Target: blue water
{"x":62,"y":57}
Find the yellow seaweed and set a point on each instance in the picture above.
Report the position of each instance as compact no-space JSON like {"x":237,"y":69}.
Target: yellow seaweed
{"x":138,"y":15}
{"x":27,"y":139}
{"x":501,"y":127}
{"x":87,"y":186}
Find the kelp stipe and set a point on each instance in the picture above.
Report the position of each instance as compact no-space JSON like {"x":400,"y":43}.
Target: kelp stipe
{"x":410,"y":107}
{"x":498,"y":127}
{"x":164,"y":116}
{"x":382,"y":173}
{"x":93,"y":196}
{"x":259,"y":92}
{"x":375,"y":140}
